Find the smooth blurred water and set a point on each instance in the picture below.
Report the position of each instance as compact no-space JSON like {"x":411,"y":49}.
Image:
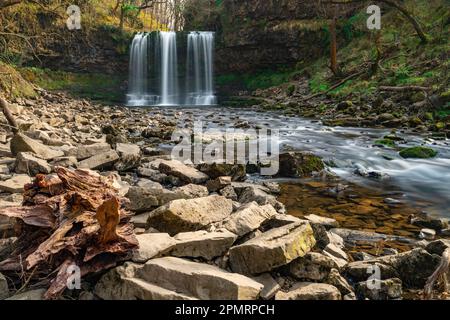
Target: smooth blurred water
{"x":423,"y":182}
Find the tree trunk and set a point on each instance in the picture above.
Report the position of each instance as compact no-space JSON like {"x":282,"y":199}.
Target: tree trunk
{"x":8,"y":115}
{"x":333,"y":47}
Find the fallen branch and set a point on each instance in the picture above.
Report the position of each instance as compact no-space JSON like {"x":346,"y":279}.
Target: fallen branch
{"x":441,"y":272}
{"x":405,"y":88}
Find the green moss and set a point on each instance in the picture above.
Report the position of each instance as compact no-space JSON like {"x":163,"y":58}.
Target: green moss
{"x":386,"y":142}
{"x":100,"y":87}
{"x":290,"y":90}
{"x":418,"y":153}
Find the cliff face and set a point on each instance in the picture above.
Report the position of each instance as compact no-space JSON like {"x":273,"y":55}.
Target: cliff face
{"x":255,"y":34}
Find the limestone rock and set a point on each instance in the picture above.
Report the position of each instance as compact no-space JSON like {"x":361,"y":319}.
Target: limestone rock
{"x":28,"y":163}
{"x":161,"y":278}
{"x":121,"y":284}
{"x":182,"y":171}
{"x":202,"y":244}
{"x":15,"y":184}
{"x":152,"y":245}
{"x":218,"y":183}
{"x":388,"y":289}
{"x":310,"y":291}
{"x":193,"y":191}
{"x":313,"y":266}
{"x":271,"y":287}
{"x":237,"y":172}
{"x":100,"y":160}
{"x":87,"y":151}
{"x":258,"y":195}
{"x":335,"y":279}
{"x":33,"y":295}
{"x":190,"y":215}
{"x":248,"y":218}
{"x":272,"y":249}
{"x":22,"y":143}
{"x":326,"y":222}
{"x":130,"y":156}
{"x":412,"y":267}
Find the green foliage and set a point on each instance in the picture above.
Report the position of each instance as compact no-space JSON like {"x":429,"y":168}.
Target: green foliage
{"x":101,"y":87}
{"x":261,"y":80}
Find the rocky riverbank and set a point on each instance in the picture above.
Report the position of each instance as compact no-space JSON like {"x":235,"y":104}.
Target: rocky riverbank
{"x":206,"y":232}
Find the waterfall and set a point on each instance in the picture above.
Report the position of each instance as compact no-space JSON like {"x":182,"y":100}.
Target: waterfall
{"x":199,"y":84}
{"x":157,"y":65}
{"x":169,"y":66}
{"x":138,"y":83}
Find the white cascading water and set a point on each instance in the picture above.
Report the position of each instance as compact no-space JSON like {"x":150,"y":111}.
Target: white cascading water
{"x":154,"y":70}
{"x":169,"y":69}
{"x":200,"y":83}
{"x":138,"y":83}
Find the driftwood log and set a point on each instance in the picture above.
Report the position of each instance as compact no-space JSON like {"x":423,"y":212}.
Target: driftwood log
{"x":71,"y":218}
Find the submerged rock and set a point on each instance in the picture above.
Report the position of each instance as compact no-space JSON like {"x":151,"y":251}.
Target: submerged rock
{"x":299,"y":164}
{"x":418,"y":153}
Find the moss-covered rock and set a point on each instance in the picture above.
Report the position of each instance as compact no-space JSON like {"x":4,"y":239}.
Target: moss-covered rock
{"x":299,"y":164}
{"x":385,"y":143}
{"x":418,"y":153}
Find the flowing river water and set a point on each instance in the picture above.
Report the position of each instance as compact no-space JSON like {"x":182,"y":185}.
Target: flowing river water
{"x":350,"y":153}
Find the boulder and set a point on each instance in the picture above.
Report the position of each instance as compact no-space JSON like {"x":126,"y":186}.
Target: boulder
{"x":15,"y":184}
{"x":99,"y":161}
{"x":130,"y":156}
{"x":151,"y":196}
{"x":190,"y":215}
{"x":248,"y":218}
{"x":152,"y":245}
{"x":272,"y":249}
{"x":310,"y":291}
{"x":438,"y":247}
{"x":152,"y":174}
{"x":182,"y":171}
{"x":87,"y":151}
{"x":412,"y":267}
{"x":163,"y":277}
{"x":202,"y":244}
{"x":237,"y":172}
{"x":121,"y":284}
{"x":192,"y":191}
{"x":313,"y":266}
{"x":385,"y":290}
{"x":299,"y":164}
{"x":258,"y":195}
{"x":29,"y":164}
{"x":22,"y":143}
